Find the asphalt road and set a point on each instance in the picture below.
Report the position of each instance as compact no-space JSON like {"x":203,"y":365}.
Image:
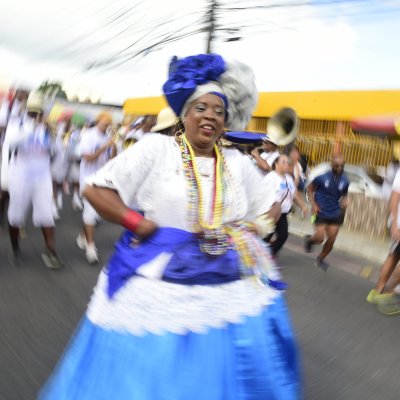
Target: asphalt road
{"x":349,"y":351}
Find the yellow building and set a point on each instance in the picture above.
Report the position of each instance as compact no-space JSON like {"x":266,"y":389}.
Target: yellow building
{"x":324,"y":120}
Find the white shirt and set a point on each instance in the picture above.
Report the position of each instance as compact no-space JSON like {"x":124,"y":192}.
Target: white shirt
{"x":390,"y":175}
{"x":31,"y":148}
{"x":150,"y":174}
{"x":90,"y":141}
{"x":130,"y":134}
{"x":284,"y":189}
{"x":270,"y":156}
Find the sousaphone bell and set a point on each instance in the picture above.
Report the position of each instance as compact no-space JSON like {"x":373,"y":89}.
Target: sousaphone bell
{"x":282,"y":129}
{"x":283,"y":126}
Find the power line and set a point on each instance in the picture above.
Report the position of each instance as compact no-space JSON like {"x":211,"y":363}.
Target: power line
{"x":156,"y":46}
{"x":221,"y":21}
{"x":160,"y":40}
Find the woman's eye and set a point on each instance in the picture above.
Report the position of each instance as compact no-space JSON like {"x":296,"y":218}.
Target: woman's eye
{"x":219,"y":111}
{"x":200,"y":108}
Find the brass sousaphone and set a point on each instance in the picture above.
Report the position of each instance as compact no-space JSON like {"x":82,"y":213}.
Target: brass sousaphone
{"x":283,"y":126}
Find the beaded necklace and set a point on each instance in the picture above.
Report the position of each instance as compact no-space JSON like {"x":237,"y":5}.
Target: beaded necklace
{"x":213,"y":238}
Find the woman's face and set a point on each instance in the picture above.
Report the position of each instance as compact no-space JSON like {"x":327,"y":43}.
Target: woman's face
{"x":204,"y":121}
{"x":282,"y":165}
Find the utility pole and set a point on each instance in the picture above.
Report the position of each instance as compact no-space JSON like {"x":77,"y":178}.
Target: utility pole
{"x":211,"y":27}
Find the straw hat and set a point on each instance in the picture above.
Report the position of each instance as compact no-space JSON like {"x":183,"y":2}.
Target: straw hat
{"x":35,"y":102}
{"x":269,"y":138}
{"x":165,"y":119}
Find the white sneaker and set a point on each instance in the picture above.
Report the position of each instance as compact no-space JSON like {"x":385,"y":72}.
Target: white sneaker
{"x":81,"y":241}
{"x":77,"y":203}
{"x":59,"y":201}
{"x":91,"y":254}
{"x":56,"y":215}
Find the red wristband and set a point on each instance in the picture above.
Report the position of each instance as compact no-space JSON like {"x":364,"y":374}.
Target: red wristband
{"x":131,"y":219}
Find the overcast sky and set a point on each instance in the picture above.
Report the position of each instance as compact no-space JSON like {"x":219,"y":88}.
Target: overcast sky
{"x":91,"y":46}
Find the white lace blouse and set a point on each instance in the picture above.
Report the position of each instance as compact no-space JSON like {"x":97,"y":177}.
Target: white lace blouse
{"x":151,"y":176}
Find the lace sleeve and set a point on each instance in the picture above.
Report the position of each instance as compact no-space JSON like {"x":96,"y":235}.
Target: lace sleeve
{"x":126,"y":172}
{"x":259,"y":191}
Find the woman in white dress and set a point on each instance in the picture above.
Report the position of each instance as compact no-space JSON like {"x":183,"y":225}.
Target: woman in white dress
{"x":194,"y":310}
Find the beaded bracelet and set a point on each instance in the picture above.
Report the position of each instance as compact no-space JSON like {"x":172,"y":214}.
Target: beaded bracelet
{"x":131,"y":220}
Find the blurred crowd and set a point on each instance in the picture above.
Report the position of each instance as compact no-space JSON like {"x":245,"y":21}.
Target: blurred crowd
{"x":42,"y":162}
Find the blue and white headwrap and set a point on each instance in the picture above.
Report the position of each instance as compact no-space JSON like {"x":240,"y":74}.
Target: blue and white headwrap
{"x":194,"y":76}
{"x":201,"y":90}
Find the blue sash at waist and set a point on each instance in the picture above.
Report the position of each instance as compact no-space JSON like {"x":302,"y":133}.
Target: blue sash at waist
{"x":187,"y":266}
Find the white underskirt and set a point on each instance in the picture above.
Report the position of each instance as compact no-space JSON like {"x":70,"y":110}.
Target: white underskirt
{"x":146,"y":305}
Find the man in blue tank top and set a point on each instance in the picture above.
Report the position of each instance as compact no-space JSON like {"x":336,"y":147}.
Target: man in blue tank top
{"x":328,"y":199}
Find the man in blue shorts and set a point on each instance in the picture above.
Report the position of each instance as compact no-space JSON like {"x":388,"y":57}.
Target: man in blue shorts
{"x":327,"y":194}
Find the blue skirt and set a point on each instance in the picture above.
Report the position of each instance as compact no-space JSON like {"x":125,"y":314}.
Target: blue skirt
{"x":167,"y":322}
{"x":255,"y":359}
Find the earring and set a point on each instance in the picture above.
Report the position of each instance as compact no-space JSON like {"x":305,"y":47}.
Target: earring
{"x":179,"y":128}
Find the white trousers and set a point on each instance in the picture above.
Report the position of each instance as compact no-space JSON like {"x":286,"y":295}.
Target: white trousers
{"x":73,"y":175}
{"x":35,"y":191}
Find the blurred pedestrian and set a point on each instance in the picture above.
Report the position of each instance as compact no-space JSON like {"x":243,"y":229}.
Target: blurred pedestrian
{"x":59,"y":167}
{"x":390,"y":174}
{"x":13,"y":113}
{"x":296,"y":169}
{"x":95,"y":148}
{"x":282,"y":184}
{"x":31,"y":185}
{"x":383,"y":296}
{"x":327,"y":194}
{"x":144,"y":127}
{"x":268,"y":156}
{"x":75,"y":159}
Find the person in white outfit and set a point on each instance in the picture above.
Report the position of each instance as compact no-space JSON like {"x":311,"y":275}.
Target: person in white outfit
{"x":144,"y":127}
{"x":131,"y":131}
{"x":95,"y":149}
{"x":59,"y":167}
{"x":266,"y":159}
{"x":282,"y":184}
{"x":30,"y":146}
{"x":74,"y":160}
{"x":11,"y":112}
{"x":390,"y":174}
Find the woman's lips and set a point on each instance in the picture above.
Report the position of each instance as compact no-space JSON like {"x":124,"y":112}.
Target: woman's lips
{"x":207,"y":129}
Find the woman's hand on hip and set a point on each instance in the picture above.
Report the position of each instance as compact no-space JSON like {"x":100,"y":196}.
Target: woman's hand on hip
{"x":145,"y":228}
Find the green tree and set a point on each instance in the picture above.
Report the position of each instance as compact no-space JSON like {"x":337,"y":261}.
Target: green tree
{"x":52,"y":90}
